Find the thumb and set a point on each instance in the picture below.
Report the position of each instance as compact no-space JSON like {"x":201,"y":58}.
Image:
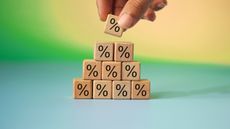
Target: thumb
{"x":132,"y":12}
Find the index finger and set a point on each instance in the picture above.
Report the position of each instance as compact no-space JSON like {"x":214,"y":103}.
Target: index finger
{"x":104,"y":8}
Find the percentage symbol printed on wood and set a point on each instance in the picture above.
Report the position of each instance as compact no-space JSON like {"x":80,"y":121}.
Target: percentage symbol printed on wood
{"x":82,"y":89}
{"x":102,"y":90}
{"x":121,"y":89}
{"x":114,"y":25}
{"x":92,"y":70}
{"x":130,"y":71}
{"x":111,"y":71}
{"x":104,"y":51}
{"x":124,"y":52}
{"x":140,"y":90}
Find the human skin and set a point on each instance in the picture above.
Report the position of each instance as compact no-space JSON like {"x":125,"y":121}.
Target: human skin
{"x":129,"y":11}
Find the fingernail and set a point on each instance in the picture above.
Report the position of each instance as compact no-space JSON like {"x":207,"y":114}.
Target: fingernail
{"x":126,"y":21}
{"x":160,"y":6}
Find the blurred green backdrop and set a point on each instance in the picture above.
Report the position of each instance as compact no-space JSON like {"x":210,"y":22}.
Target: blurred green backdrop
{"x":66,"y":30}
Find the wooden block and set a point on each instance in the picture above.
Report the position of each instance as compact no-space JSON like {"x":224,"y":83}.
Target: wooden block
{"x":103,"y":51}
{"x":102,"y":89}
{"x":82,"y":89}
{"x":112,"y":27}
{"x":111,"y":70}
{"x":130,"y":71}
{"x":121,"y":90}
{"x":140,"y":89}
{"x":123,"y":51}
{"x":91,"y":69}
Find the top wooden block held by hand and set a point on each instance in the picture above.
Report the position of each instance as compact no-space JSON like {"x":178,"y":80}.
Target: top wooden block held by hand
{"x":112,"y":26}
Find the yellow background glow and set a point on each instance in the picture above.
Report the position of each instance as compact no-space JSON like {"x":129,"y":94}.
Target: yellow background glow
{"x":193,"y":31}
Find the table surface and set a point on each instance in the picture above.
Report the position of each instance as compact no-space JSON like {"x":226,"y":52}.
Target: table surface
{"x":183,"y":96}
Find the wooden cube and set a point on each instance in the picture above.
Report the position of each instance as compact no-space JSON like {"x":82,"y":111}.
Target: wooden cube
{"x":123,"y":51}
{"x":103,"y":51}
{"x":121,"y":90}
{"x":130,"y":70}
{"x":91,"y":69}
{"x":111,"y":70}
{"x":112,"y":26}
{"x":102,"y":89}
{"x":82,"y":89}
{"x":140,"y":89}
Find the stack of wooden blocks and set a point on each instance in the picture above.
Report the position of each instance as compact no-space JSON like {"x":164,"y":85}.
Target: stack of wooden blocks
{"x":112,"y":74}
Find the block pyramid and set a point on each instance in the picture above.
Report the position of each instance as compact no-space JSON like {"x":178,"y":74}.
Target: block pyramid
{"x":112,"y":74}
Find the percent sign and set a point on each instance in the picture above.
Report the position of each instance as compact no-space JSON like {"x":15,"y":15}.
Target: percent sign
{"x":121,"y":90}
{"x":114,"y":25}
{"x":102,"y":90}
{"x":123,"y":51}
{"x":130,"y":71}
{"x":104,"y":51}
{"x":111,"y":71}
{"x":92,"y":70}
{"x":83,"y":89}
{"x":140,"y":90}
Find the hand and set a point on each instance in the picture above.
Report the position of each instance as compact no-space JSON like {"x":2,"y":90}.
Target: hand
{"x":130,"y":11}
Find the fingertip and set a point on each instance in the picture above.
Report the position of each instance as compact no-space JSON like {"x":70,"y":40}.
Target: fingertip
{"x":149,"y":18}
{"x":149,"y":15}
{"x":103,"y":18}
{"x":126,"y":21}
{"x":104,"y":8}
{"x":132,"y":12}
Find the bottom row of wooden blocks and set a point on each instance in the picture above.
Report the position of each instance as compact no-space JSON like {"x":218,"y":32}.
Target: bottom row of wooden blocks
{"x":106,"y":89}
